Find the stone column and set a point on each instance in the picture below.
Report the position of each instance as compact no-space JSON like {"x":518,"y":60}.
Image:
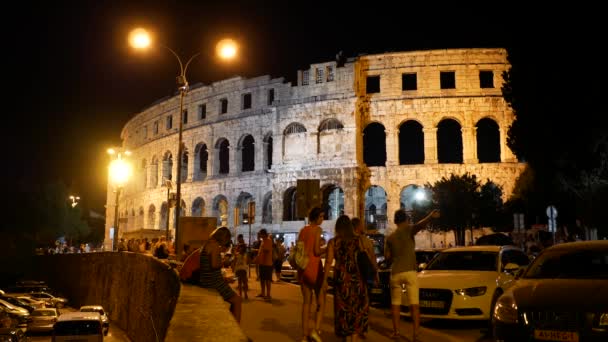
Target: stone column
{"x":191,"y":162}
{"x":392,"y":147}
{"x":261,"y":157}
{"x":234,"y":167}
{"x":469,"y":145}
{"x":393,"y":203}
{"x":430,"y":145}
{"x":351,"y":201}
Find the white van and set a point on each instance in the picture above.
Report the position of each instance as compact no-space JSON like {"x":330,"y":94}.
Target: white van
{"x":78,"y":326}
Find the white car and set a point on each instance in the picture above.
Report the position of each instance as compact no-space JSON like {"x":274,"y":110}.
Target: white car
{"x":39,"y":304}
{"x":42,"y":319}
{"x":463,"y":283}
{"x":288,"y":273}
{"x":99,"y":309}
{"x":49,"y":299}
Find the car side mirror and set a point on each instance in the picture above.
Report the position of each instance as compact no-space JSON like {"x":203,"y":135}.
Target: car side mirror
{"x":520,"y":272}
{"x":511,"y":267}
{"x":422,"y":266}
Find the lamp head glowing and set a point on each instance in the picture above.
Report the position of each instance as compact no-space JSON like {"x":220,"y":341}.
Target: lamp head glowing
{"x":420,"y":195}
{"x":120,"y":171}
{"x":139,"y":38}
{"x":226,"y":48}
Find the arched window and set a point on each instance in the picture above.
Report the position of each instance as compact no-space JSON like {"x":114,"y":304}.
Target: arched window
{"x":151,"y":216}
{"x":488,"y":141}
{"x":167,"y":166}
{"x":294,"y":128}
{"x":223,"y":155}
{"x":375,"y":207}
{"x":374,"y":145}
{"x":184,"y":172}
{"x":198,"y":207}
{"x":411,"y":143}
{"x":220,"y":210}
{"x":449,"y":142}
{"x":247,"y":154}
{"x":330,"y":124}
{"x":333,"y":201}
{"x":154,"y":172}
{"x":268,"y":151}
{"x":267,"y":209}
{"x":201,"y":158}
{"x":289,"y":204}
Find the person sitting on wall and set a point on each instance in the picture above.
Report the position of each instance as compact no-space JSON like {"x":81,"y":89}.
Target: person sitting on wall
{"x":211,"y":269}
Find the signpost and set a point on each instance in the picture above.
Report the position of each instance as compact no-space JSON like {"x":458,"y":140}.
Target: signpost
{"x":552,"y":215}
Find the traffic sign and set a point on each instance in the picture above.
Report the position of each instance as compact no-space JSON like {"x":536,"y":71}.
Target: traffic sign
{"x":552,"y":215}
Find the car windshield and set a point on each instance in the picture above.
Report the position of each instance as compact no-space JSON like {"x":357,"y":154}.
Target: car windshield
{"x":43,"y":313}
{"x":579,"y":264}
{"x":464,"y":261}
{"x":92,"y":310}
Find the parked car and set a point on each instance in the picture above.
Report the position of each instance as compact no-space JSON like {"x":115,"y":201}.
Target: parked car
{"x":20,"y":303}
{"x":464,"y":283}
{"x":99,"y":309}
{"x":381,"y":293}
{"x":13,"y":335}
{"x":562,"y":295}
{"x":19,"y":314}
{"x":49,"y":299}
{"x":42,"y":319}
{"x":38,"y":304}
{"x":288,"y":273}
{"x":78,"y":326}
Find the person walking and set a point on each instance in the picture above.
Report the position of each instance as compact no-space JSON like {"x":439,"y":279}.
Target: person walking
{"x":211,"y":269}
{"x":311,"y":278}
{"x":351,"y":302}
{"x":240,"y":267}
{"x":400,"y":252}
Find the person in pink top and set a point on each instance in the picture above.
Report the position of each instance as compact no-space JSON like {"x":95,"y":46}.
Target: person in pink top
{"x":311,"y":279}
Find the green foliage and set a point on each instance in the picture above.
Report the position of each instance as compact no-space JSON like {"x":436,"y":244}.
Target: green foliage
{"x":464,"y":202}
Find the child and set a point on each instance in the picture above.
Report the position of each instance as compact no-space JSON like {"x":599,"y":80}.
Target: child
{"x":241,"y":264}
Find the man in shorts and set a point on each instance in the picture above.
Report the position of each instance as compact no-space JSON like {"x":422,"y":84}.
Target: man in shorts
{"x":400,"y":252}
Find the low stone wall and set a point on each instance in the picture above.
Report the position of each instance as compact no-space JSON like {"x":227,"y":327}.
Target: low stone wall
{"x":143,"y":296}
{"x":139,"y":292}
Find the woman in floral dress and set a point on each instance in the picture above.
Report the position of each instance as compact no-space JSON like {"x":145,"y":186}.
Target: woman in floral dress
{"x":351,"y":304}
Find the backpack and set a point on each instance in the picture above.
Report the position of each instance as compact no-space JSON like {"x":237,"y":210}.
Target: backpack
{"x":298,"y":259}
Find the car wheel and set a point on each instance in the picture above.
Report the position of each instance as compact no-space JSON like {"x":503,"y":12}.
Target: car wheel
{"x":491,"y":320}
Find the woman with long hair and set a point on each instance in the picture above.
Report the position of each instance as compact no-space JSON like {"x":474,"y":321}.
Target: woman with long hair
{"x":311,"y":279}
{"x":351,"y":303}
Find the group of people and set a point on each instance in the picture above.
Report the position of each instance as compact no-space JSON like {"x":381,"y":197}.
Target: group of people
{"x":351,"y":301}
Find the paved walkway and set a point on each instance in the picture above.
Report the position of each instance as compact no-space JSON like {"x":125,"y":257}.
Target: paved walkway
{"x":279,"y":320}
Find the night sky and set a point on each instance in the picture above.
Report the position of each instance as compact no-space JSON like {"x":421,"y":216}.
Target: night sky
{"x":71,"y":82}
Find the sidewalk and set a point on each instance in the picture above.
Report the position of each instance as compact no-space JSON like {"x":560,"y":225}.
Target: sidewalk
{"x":280,"y":319}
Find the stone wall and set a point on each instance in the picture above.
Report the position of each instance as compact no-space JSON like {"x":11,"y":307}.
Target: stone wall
{"x":140,"y":293}
{"x":305,"y":147}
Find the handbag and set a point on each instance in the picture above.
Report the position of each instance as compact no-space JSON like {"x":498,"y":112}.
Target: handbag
{"x":366,"y":269}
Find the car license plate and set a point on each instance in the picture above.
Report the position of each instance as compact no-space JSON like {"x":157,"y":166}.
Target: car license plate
{"x":555,"y":335}
{"x":376,"y":291}
{"x":432,"y":304}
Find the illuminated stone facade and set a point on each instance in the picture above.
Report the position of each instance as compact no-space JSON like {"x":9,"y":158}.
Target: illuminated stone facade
{"x":367,"y":128}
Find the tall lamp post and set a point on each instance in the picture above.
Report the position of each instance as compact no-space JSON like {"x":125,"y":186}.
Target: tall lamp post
{"x":226,"y":49}
{"x":119,"y":171}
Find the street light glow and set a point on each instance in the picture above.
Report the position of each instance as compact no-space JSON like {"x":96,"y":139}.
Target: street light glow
{"x":120,"y":171}
{"x":139,"y":38}
{"x":226,"y":48}
{"x":420,"y":195}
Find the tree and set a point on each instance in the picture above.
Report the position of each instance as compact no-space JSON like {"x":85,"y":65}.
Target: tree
{"x":465,"y":203}
{"x":560,"y":130}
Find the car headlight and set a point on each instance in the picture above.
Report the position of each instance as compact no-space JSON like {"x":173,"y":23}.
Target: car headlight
{"x":472,"y":291}
{"x":505,"y":310}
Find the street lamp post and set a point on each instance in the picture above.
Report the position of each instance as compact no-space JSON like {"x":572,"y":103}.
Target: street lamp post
{"x":120,"y":171}
{"x":141,"y":39}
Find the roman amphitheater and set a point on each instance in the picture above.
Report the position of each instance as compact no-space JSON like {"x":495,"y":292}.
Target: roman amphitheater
{"x":371,"y":129}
